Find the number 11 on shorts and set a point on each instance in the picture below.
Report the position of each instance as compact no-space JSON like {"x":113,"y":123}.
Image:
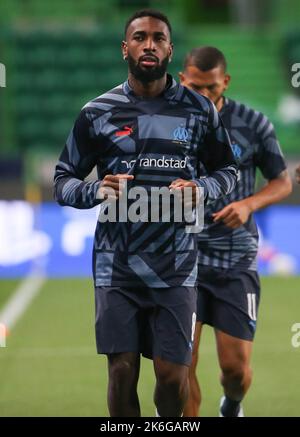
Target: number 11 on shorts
{"x":251,"y":305}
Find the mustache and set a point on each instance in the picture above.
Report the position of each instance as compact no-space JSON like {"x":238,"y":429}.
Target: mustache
{"x":149,"y":58}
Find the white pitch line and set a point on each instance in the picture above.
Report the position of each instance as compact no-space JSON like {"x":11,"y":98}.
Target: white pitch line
{"x":21,"y":299}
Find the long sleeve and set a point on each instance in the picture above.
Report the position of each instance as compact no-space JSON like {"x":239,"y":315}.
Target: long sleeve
{"x":76,"y":161}
{"x":216,"y":155}
{"x":268,"y":155}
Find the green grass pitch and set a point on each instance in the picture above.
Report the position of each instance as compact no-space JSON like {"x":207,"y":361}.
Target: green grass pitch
{"x":50,"y":366}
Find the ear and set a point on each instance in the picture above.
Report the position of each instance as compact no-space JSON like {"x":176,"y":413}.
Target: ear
{"x":227,"y":81}
{"x":124,"y":48}
{"x":171,"y":51}
{"x":181,"y":77}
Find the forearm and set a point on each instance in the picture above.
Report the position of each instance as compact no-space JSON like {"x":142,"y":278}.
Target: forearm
{"x":71,"y":191}
{"x":274,"y":191}
{"x":219,"y":183}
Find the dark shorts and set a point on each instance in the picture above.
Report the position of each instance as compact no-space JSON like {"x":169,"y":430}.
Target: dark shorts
{"x":157,"y":322}
{"x":228,"y":300}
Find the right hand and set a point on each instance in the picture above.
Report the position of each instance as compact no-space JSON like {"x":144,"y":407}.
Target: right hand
{"x":111,"y":186}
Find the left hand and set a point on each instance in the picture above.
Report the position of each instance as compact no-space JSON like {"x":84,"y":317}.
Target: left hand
{"x":180,"y":184}
{"x":233,"y":215}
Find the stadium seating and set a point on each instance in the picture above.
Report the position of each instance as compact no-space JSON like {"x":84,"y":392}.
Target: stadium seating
{"x":53,"y":67}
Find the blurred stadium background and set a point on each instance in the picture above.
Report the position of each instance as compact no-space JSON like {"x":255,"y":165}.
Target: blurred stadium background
{"x":58,"y":55}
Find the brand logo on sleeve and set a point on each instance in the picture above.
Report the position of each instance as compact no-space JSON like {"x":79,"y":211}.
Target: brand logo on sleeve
{"x":237,"y":150}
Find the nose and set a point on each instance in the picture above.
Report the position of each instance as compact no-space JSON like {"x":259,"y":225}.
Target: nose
{"x":149,"y":45}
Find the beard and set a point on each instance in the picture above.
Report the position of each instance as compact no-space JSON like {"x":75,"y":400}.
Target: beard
{"x":144,"y":74}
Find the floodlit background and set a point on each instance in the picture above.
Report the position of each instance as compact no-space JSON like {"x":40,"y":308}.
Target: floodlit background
{"x":57,"y":55}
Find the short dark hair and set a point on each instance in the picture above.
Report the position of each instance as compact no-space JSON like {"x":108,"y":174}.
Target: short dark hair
{"x":149,"y":13}
{"x":205,"y":58}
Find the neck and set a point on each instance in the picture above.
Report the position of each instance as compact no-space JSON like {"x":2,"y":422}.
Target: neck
{"x":148,"y":89}
{"x":220,"y":103}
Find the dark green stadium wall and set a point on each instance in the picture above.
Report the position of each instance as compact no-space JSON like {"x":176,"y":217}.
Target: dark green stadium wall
{"x":60,"y":54}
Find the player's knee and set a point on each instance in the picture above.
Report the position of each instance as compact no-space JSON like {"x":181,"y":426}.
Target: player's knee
{"x":173,"y":382}
{"x":238,"y":372}
{"x":122,"y":371}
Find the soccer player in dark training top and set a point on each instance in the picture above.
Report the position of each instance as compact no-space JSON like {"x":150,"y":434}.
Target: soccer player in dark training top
{"x":228,"y":283}
{"x":149,"y":132}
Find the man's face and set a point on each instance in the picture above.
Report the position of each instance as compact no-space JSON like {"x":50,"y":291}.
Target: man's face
{"x":147,"y":48}
{"x":211,"y":83}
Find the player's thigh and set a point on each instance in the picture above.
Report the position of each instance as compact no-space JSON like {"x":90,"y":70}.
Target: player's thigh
{"x":117,"y":322}
{"x":197,"y":337}
{"x":234,"y":353}
{"x":205,"y":295}
{"x":173,"y":324}
{"x":196,"y":347}
{"x":168,"y":372}
{"x":236,"y":301}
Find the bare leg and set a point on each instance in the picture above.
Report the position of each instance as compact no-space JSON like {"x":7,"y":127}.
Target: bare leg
{"x":192,"y":406}
{"x":123,"y":372}
{"x":172,"y":387}
{"x":234,"y":358}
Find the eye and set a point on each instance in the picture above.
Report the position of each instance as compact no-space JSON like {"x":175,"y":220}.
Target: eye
{"x":138,"y":38}
{"x":159,"y":37}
